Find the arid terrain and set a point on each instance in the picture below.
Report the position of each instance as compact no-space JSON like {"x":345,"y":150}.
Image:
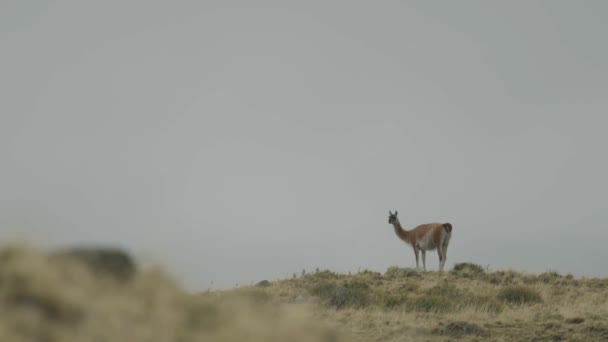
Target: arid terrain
{"x":467,"y":303}
{"x":104,"y":297}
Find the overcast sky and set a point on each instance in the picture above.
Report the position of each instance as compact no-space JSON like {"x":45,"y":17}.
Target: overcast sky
{"x":236,"y":142}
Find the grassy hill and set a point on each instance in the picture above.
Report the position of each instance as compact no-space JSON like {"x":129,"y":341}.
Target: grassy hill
{"x":104,"y":296}
{"x":467,"y":303}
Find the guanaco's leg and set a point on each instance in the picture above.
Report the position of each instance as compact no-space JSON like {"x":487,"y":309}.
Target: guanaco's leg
{"x":445,"y":255}
{"x":423,"y":252}
{"x":416,"y":253}
{"x":437,"y":239}
{"x":441,"y":258}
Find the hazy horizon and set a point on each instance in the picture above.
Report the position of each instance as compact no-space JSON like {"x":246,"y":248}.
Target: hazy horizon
{"x":235,"y":143}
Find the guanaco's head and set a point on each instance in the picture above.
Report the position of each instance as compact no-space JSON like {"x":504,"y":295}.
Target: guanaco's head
{"x":392,"y":218}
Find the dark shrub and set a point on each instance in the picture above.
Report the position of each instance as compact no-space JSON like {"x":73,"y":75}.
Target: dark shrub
{"x":575,"y":320}
{"x":350,"y":294}
{"x":103,"y":261}
{"x":458,"y":329}
{"x":263,"y":283}
{"x":390,"y":299}
{"x":396,"y":272}
{"x":468,"y":267}
{"x":446,"y":290}
{"x":519,"y":295}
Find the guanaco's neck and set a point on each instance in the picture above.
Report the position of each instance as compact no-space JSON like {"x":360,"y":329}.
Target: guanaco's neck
{"x":401,"y":233}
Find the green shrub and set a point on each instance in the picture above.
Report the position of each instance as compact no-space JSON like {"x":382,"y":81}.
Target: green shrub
{"x":446,"y":290}
{"x":468,"y":267}
{"x":431,"y":304}
{"x":396,"y":272}
{"x":354,"y":294}
{"x":369,"y":272}
{"x":501,"y":277}
{"x":390,"y":299}
{"x":519,"y":295}
{"x":326,"y":274}
{"x":323,"y":289}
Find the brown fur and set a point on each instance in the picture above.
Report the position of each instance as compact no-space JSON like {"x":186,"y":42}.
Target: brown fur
{"x":447,"y":227}
{"x":416,"y":237}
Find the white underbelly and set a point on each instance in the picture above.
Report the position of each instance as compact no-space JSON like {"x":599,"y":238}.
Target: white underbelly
{"x":426,"y":243}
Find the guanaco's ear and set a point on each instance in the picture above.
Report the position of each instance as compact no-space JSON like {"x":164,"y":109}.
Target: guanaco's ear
{"x":395,"y":212}
{"x":389,"y":213}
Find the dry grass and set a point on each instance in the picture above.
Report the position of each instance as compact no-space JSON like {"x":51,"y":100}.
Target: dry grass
{"x":467,"y":303}
{"x":103,"y":297}
{"x":77,"y":297}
